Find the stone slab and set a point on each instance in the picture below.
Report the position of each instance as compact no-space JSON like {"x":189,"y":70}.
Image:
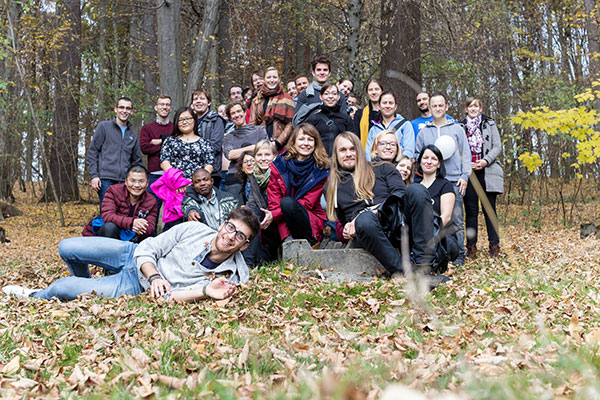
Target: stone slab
{"x":335,"y":265}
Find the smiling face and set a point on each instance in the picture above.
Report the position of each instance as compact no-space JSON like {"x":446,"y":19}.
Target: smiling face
{"x":123,"y":110}
{"x":474,"y":109}
{"x":263,"y":157}
{"x":304,"y":145}
{"x":301,"y":84}
{"x":374,"y":91}
{"x":257,"y":81}
{"x":202,"y":183}
{"x":235,"y":94}
{"x":163,"y":108}
{"x":438,"y":107}
{"x":321,"y":73}
{"x":423,"y":102}
{"x":291,"y":89}
{"x":346,"y":154}
{"x":200,"y":104}
{"x":331,"y":96}
{"x":248,"y":164}
{"x":345,"y":87}
{"x":387,"y":106}
{"x":272,"y":79}
{"x":429,"y":163}
{"x":387,"y":147}
{"x":229,"y":242}
{"x":405,"y":169}
{"x":185,"y":122}
{"x":237,"y":115}
{"x":136,"y":183}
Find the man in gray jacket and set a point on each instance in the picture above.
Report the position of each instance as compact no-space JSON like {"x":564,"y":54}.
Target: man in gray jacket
{"x":457,"y":163}
{"x":181,"y":264}
{"x":114,"y":148}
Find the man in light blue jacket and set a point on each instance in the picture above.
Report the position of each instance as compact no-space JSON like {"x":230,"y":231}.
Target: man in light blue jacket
{"x":457,"y":160}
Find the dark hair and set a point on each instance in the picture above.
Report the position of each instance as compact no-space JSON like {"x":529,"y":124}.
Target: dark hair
{"x":388,"y":93}
{"x":231,"y":105}
{"x":231,"y":87}
{"x":473,"y":99}
{"x":258,"y":72}
{"x":327,"y":85}
{"x":373,"y":80}
{"x":163,"y":96}
{"x":436,"y":94}
{"x":200,"y":91}
{"x":201,"y":169}
{"x":427,"y":93}
{"x":123,"y":98}
{"x":320,"y":60}
{"x":441,"y":172}
{"x":240,"y":164}
{"x":300,"y":76}
{"x":176,"y":132}
{"x":137,"y":168}
{"x":247,"y":217}
{"x":342,"y":80}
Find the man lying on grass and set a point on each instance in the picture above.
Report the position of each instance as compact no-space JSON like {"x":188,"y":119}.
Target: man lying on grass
{"x":177,"y":265}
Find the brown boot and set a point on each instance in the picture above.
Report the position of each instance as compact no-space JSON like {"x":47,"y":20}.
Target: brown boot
{"x":471,"y":251}
{"x":494,"y":250}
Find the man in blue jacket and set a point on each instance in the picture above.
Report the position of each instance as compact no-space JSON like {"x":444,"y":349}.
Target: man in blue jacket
{"x":114,"y":148}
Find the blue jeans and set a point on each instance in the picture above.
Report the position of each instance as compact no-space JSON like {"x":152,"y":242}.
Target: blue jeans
{"x":104,"y":185}
{"x":114,"y":255}
{"x":459,"y":220}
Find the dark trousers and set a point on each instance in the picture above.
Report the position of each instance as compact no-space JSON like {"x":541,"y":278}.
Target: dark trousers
{"x":234,"y":186}
{"x":104,"y":185}
{"x":297,"y":220}
{"x":264,"y":247}
{"x":109,"y":230}
{"x":472,"y":212}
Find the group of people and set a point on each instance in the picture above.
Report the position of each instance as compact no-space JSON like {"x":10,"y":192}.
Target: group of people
{"x":231,"y":186}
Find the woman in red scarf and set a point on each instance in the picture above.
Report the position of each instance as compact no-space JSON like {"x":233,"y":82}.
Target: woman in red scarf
{"x":273,"y":109}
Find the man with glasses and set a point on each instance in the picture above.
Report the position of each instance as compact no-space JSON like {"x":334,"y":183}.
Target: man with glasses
{"x":113,"y":149}
{"x":189,"y":262}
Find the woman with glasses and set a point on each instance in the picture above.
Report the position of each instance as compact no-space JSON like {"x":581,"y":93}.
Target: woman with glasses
{"x":296,"y":184}
{"x":386,"y":148}
{"x":245,"y":169}
{"x":328,"y":118}
{"x":184,"y":149}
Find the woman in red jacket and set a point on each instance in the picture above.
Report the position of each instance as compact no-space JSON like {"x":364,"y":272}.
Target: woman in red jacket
{"x":296,"y":184}
{"x":128,"y":210}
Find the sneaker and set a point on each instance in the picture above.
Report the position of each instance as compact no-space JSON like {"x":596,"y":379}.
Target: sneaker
{"x":494,"y":250}
{"x":436,"y":280}
{"x":18,"y":291}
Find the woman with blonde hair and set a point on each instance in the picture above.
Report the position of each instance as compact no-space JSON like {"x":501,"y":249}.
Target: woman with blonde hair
{"x":386,"y":147}
{"x":273,"y":109}
{"x":296,"y":184}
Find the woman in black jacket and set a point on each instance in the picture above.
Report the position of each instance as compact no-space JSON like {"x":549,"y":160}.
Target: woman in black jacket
{"x":328,"y":118}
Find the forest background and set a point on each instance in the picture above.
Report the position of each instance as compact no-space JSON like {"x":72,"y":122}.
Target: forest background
{"x":63,"y":64}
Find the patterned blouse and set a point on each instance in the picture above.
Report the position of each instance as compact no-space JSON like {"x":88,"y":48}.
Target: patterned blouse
{"x":187,"y":156}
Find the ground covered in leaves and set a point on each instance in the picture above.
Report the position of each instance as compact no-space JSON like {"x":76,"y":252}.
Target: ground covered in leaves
{"x":525,"y":325}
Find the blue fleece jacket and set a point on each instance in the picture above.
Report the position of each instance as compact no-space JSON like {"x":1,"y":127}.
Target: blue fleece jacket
{"x":404,"y":133}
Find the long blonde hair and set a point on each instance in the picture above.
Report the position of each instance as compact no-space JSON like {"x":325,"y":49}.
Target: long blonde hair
{"x":363,"y":176}
{"x":378,"y":138}
{"x":319,"y":154}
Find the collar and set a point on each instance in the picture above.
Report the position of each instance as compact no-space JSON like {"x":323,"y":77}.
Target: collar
{"x":162,"y":123}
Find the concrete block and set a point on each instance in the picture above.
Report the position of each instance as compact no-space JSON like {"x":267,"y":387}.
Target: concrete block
{"x":335,"y":265}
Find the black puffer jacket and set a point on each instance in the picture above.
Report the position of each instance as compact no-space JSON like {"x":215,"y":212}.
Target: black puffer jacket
{"x":330,"y":122}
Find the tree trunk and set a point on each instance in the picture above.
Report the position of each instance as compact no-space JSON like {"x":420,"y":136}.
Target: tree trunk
{"x":354,"y":12}
{"x":168,"y":21}
{"x":204,"y":40}
{"x":400,"y":39}
{"x":63,"y":144}
{"x":224,"y":72}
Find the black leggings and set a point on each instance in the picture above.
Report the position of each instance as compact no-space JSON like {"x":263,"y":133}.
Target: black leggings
{"x":471,"y":201}
{"x":297,"y":220}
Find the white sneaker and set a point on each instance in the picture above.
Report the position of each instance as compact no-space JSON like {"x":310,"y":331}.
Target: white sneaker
{"x":18,"y":291}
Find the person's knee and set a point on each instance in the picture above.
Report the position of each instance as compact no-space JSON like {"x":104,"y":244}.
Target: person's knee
{"x":417,"y":194}
{"x":109,"y":229}
{"x":68,"y":247}
{"x":366,"y":223}
{"x":288,"y":205}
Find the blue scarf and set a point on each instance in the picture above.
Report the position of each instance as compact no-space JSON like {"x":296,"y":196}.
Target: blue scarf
{"x":299,"y":176}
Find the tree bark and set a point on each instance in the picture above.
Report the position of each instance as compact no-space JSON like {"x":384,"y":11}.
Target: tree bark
{"x":400,"y":38}
{"x":204,"y":40}
{"x":225,"y":73}
{"x":62,"y":145}
{"x":354,"y":12}
{"x":168,"y":21}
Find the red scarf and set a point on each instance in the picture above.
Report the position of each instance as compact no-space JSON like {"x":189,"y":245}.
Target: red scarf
{"x":280,"y":105}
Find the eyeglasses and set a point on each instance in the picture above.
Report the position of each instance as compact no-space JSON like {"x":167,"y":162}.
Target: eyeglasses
{"x":185,"y":120}
{"x":386,"y":144}
{"x":249,"y":162}
{"x":239,"y":236}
